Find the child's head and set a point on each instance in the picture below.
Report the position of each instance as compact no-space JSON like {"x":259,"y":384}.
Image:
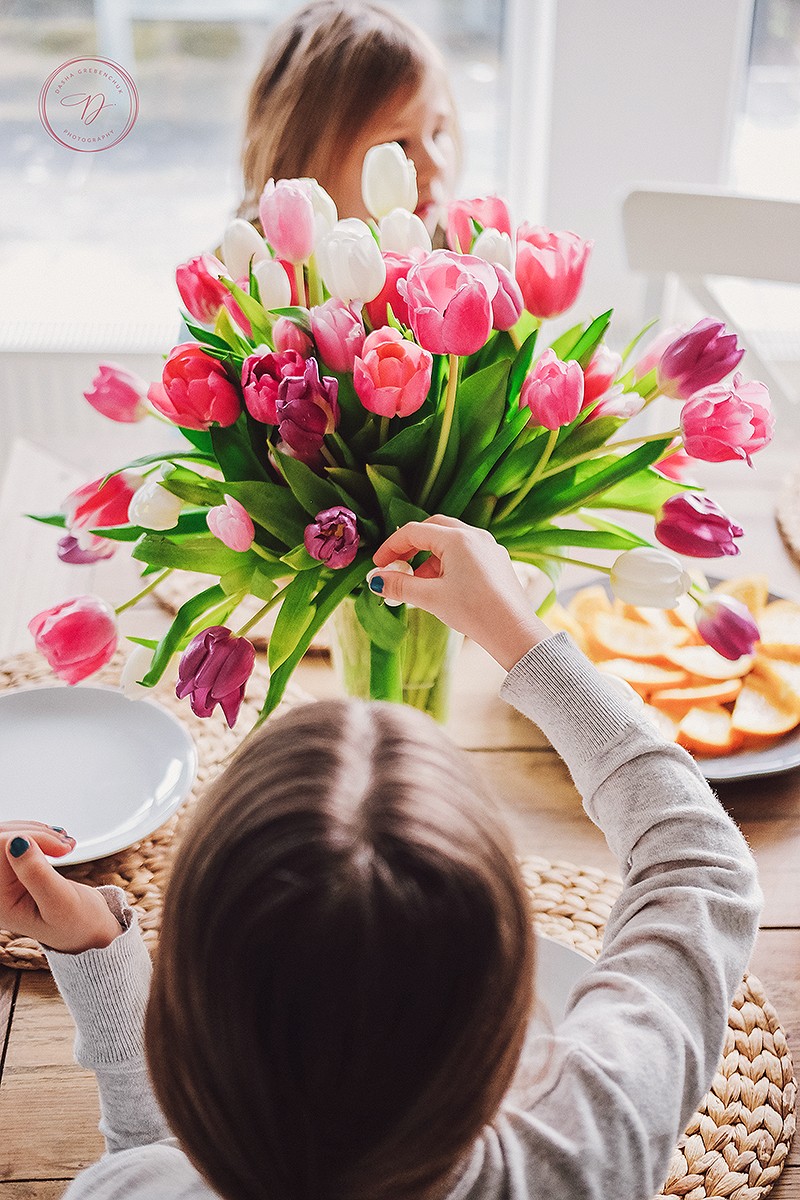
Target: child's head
{"x":341,"y":76}
{"x":345,"y":968}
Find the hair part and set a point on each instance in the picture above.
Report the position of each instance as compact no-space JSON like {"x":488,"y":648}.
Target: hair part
{"x":345,"y":969}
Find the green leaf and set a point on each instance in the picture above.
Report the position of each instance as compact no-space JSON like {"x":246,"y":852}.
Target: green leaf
{"x":476,"y":465}
{"x":299,"y":559}
{"x":386,"y":484}
{"x":199,"y":438}
{"x":353,"y":488}
{"x":295,"y":313}
{"x":185,"y":617}
{"x":234,"y":451}
{"x":225,"y":328}
{"x":57,"y":519}
{"x":521,"y":366}
{"x":592,"y":519}
{"x":255,"y":313}
{"x":481,"y":404}
{"x":193,"y":488}
{"x":564,"y":344}
{"x":148,"y":643}
{"x":295,"y":614}
{"x":595,"y":539}
{"x":216,"y":346}
{"x":634,"y":342}
{"x":238,"y":579}
{"x":406,"y":447}
{"x":273,"y":507}
{"x":513,"y":470}
{"x":310,"y":491}
{"x":188,"y":522}
{"x":204,"y":554}
{"x":263,"y":583}
{"x":582,"y":437}
{"x":644,"y":491}
{"x":401,"y":511}
{"x":588,"y":342}
{"x":385,"y":626}
{"x":169,"y":456}
{"x":647,"y":384}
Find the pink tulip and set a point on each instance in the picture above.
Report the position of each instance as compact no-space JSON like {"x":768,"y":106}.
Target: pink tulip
{"x":397,"y":268}
{"x":652,"y":352}
{"x":332,"y":537}
{"x":77,"y":636}
{"x":550,"y":268}
{"x":93,"y":506}
{"x":118,"y":394}
{"x":393,"y":375}
{"x":727,"y":625}
{"x":232,"y":524}
{"x":697,"y":359}
{"x":195,"y":391}
{"x":616,"y":403}
{"x":676,"y":466}
{"x":200,"y":288}
{"x":232,"y":304}
{"x":507,"y":304}
{"x":339,"y":333}
{"x":449,"y":300}
{"x":553,"y":391}
{"x":262,"y":373}
{"x":488,"y":211}
{"x":600,"y":372}
{"x":214,"y":670}
{"x":695,"y":525}
{"x":286,"y":335}
{"x":287,"y":218}
{"x":725,"y":423}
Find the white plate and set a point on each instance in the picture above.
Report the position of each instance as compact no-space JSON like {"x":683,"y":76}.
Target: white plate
{"x":743,"y":764}
{"x":106,"y":769}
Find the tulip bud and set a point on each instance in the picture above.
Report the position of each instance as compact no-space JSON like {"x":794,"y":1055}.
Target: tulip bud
{"x":553,"y":391}
{"x":694,"y":525}
{"x":697,"y":359}
{"x":332,"y":537}
{"x":274,"y":288}
{"x":77,"y":636}
{"x":490,"y":212}
{"x":137,"y":664}
{"x":339,"y":333}
{"x":495,"y":247}
{"x":549,"y":269}
{"x":507,"y":303}
{"x":402,"y":232}
{"x":392,"y":376}
{"x":600,"y":372}
{"x":200,"y":289}
{"x":649,"y":578}
{"x":153,"y":507}
{"x":262,"y":373}
{"x":727,"y":422}
{"x":232,"y":524}
{"x":727,"y":625}
{"x":388,"y":180}
{"x":242,"y":246}
{"x":287,"y":335}
{"x":307,"y":410}
{"x":214,"y":669}
{"x":325,"y":214}
{"x":117,"y":394}
{"x":287,"y":218}
{"x":350,"y":262}
{"x":195,"y":391}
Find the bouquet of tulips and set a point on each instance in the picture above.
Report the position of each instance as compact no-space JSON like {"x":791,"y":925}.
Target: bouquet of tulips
{"x":345,"y":378}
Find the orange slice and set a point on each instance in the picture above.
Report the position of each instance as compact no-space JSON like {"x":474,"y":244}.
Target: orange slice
{"x":779,"y":625}
{"x":709,"y":731}
{"x":662,"y":721}
{"x":683,"y":615}
{"x":589,"y":601}
{"x":679,"y":700}
{"x":559,"y":620}
{"x":752,"y":590}
{"x":656,"y":618}
{"x":781,"y":679}
{"x":757,"y":714}
{"x":611,"y":636}
{"x":643,"y":676}
{"x":705,"y":664}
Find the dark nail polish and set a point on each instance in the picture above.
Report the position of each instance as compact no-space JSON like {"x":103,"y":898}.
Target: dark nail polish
{"x":58,"y":829}
{"x":19,"y":846}
{"x":376,"y":584}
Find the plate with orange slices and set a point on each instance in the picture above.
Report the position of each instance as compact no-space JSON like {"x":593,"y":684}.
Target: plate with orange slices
{"x":740,"y":719}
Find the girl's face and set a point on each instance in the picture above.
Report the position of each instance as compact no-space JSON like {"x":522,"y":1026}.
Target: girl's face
{"x":421,"y":121}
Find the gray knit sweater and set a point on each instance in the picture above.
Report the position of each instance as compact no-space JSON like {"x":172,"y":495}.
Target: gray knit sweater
{"x":618,"y":1079}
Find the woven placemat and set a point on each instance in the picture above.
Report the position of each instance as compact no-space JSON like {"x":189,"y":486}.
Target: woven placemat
{"x":736,"y":1143}
{"x":787,"y":513}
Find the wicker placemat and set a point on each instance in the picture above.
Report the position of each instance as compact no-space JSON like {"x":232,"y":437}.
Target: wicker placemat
{"x":787,"y":513}
{"x":737,"y":1142}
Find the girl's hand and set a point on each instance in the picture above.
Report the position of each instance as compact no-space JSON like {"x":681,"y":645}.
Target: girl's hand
{"x":468,"y":582}
{"x":37,"y":902}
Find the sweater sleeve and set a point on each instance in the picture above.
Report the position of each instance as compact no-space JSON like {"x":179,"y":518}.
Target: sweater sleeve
{"x":106,"y":992}
{"x":615,"y":1084}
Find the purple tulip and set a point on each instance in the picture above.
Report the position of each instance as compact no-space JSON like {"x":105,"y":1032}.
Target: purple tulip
{"x":307,"y":409}
{"x":262,"y":373}
{"x":70,"y":551}
{"x":697,"y":526}
{"x":214,"y":669}
{"x":332,"y":537}
{"x":697,"y":359}
{"x":726,"y":625}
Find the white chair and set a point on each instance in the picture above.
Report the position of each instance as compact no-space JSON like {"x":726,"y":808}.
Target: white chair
{"x":696,"y":238}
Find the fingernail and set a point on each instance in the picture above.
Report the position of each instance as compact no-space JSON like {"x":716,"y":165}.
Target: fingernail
{"x":376,"y":584}
{"x":19,"y":846}
{"x":58,"y":829}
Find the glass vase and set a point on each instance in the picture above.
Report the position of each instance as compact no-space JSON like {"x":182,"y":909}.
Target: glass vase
{"x":419,"y":672}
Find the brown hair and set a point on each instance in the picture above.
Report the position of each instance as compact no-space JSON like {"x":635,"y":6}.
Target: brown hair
{"x":329,"y":68}
{"x":345,"y":970}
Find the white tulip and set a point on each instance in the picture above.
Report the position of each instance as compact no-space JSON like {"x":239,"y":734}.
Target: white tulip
{"x":350,"y":262}
{"x":325,"y":214}
{"x":241,"y":244}
{"x":153,"y":507}
{"x":402,"y":232}
{"x":494,"y":247}
{"x":136,"y":667}
{"x":388,"y":180}
{"x":649,"y":577}
{"x":274,"y":288}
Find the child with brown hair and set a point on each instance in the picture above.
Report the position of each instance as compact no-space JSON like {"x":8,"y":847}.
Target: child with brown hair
{"x":343,"y":982}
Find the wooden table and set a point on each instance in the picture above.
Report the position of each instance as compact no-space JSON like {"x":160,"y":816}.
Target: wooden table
{"x":48,"y":1106}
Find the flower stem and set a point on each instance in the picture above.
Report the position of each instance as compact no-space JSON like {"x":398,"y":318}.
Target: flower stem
{"x":262,"y":552}
{"x":326,"y":454}
{"x":162,"y":575}
{"x":444,"y":432}
{"x":383,"y":432}
{"x":262,"y":612}
{"x":535,"y":476}
{"x":604,"y":449}
{"x":651,"y":437}
{"x":516,"y":340}
{"x":315,"y":293}
{"x":562,"y":558}
{"x":299,"y":278}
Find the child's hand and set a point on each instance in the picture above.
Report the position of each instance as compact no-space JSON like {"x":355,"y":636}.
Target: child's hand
{"x":37,"y":902}
{"x":468,"y":582}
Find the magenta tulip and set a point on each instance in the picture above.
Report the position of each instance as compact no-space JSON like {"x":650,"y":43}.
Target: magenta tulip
{"x":332,"y":537}
{"x":727,"y":625}
{"x":287,"y":335}
{"x":600,"y":372}
{"x":449,"y":299}
{"x":490,"y":212}
{"x":507,"y":304}
{"x":232,"y":524}
{"x":694,"y":524}
{"x":550,"y":268}
{"x":393,"y":375}
{"x":339,"y":333}
{"x":214,"y":669}
{"x":727,"y":422}
{"x":397,"y":268}
{"x":200,"y":288}
{"x":697,"y":359}
{"x":98,"y":505}
{"x":195,"y":391}
{"x":553,"y":391}
{"x":307,"y":410}
{"x":287,"y":218}
{"x":69,"y":550}
{"x":118,"y":394}
{"x":77,"y":636}
{"x":262,"y":373}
